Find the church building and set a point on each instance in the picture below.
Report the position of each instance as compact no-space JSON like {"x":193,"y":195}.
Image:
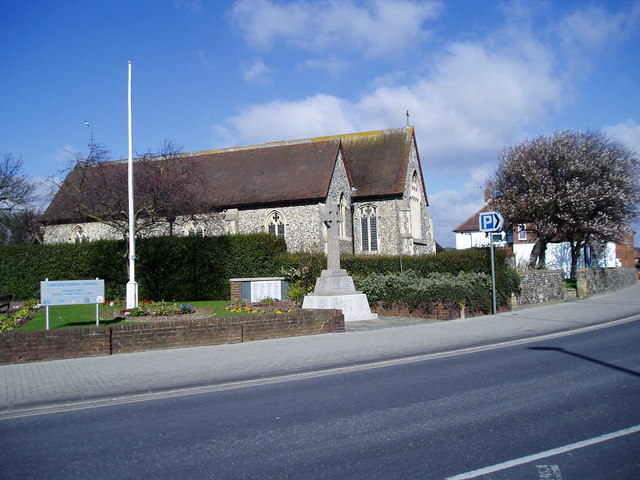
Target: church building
{"x":280,"y":188}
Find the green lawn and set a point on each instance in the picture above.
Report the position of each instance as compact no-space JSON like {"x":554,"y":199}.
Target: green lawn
{"x":71,"y":316}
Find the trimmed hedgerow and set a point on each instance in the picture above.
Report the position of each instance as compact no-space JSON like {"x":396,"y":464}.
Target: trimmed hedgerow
{"x":422,"y":292}
{"x":191,"y":268}
{"x":167,"y":268}
{"x":23,"y":267}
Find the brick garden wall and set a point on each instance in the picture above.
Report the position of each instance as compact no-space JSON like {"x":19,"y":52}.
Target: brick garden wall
{"x":20,"y":347}
{"x":441,"y":311}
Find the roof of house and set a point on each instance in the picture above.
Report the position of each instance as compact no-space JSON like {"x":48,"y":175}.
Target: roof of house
{"x":297,"y":171}
{"x":472,"y":224}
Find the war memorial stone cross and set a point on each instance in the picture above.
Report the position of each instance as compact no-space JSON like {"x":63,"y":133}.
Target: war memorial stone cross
{"x":335,"y":289}
{"x":332,"y":218}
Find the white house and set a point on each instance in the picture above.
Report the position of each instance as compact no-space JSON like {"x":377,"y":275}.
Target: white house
{"x":516,"y":237}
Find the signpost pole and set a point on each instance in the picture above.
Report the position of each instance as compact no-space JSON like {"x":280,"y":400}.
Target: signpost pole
{"x":493,"y":276}
{"x":491,"y":222}
{"x":46,"y":309}
{"x":98,"y":309}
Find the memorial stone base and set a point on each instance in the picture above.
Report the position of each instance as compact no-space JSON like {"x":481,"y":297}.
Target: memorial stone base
{"x":335,"y":290}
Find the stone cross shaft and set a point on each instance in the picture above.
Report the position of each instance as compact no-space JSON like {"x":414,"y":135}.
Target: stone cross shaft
{"x":331,"y":216}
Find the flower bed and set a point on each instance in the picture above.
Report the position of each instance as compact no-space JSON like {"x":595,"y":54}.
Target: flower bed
{"x":157,"y":309}
{"x":18,"y":316}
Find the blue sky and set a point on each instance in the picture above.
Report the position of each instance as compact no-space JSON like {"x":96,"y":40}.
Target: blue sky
{"x":475,"y":77}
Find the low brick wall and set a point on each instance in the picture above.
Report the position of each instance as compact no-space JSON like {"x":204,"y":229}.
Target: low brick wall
{"x":597,"y":280}
{"x":19,"y":347}
{"x":539,"y":286}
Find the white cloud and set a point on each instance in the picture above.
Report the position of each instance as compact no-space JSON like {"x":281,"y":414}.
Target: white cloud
{"x":258,"y":72}
{"x":591,"y":29}
{"x":377,"y":28}
{"x":333,"y":65}
{"x":627,"y":133}
{"x":473,"y":102}
{"x":278,"y":120}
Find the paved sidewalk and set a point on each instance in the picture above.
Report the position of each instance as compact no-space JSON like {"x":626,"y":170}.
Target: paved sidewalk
{"x":44,"y":383}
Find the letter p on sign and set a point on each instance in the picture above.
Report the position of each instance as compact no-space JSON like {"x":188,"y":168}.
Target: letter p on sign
{"x":491,"y":222}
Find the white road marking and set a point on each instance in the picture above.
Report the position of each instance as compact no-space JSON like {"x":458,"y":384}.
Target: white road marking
{"x":548,"y":453}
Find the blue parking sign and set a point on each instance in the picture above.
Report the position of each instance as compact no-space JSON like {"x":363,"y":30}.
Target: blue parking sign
{"x":490,"y":221}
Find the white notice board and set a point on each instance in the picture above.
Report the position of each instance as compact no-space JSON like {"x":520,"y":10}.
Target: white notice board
{"x":71,"y":292}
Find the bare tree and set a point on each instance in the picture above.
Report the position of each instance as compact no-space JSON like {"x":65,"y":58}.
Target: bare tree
{"x":166,"y":185}
{"x":15,"y":188}
{"x":20,"y":227}
{"x":573,"y":186}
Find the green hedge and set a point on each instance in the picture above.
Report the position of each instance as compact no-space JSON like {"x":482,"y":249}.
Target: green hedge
{"x":167,"y":268}
{"x":422,"y":292}
{"x":23,"y":267}
{"x":188,"y":268}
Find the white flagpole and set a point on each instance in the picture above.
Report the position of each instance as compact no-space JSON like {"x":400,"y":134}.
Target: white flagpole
{"x":132,"y":286}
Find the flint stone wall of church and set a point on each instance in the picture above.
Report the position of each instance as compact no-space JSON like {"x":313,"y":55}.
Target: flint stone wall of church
{"x":302,"y":227}
{"x":212,"y":224}
{"x":65,"y":233}
{"x":426,"y":244}
{"x":340,"y":186}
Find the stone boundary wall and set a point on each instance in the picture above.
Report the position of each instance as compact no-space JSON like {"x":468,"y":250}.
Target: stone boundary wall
{"x":598,"y":280}
{"x":539,"y":286}
{"x":40,"y":345}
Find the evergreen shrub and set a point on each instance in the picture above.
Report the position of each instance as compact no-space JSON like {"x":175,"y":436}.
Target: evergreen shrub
{"x":167,"y":268}
{"x":422,"y":292}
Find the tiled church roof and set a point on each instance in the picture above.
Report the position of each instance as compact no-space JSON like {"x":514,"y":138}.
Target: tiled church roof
{"x":289,"y":172}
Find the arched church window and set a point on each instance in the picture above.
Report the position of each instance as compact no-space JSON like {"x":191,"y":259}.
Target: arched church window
{"x":194,"y":229}
{"x":344,"y":211}
{"x":275,"y":224}
{"x":414,"y":201}
{"x":78,"y":235}
{"x":369,"y":228}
